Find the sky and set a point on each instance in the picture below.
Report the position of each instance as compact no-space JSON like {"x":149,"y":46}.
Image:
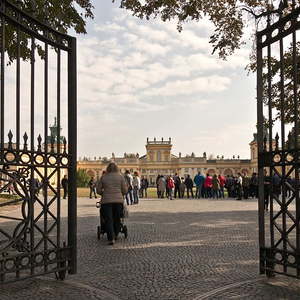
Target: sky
{"x":139,"y":79}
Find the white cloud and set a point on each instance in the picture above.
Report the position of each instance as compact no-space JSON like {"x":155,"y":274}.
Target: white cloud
{"x":205,"y":85}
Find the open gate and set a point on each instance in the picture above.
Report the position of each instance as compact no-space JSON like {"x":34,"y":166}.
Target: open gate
{"x":278,"y":79}
{"x":38,"y":85}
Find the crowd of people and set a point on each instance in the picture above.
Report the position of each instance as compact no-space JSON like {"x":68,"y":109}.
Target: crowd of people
{"x":209,"y":186}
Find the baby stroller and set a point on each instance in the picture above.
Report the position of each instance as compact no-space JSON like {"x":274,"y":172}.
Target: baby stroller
{"x":101,"y":227}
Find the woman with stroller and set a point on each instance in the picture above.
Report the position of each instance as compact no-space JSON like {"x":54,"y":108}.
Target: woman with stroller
{"x":112,"y":187}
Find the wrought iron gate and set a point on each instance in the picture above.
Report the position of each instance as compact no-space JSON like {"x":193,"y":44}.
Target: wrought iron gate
{"x":278,"y":78}
{"x":38,"y":83}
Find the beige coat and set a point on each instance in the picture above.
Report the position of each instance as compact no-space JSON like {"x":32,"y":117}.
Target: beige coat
{"x":112,"y":187}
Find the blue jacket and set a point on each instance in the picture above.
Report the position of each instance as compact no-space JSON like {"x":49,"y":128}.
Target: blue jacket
{"x":199,"y":180}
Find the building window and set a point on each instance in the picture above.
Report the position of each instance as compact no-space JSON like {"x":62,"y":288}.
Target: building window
{"x":186,"y":170}
{"x":158,"y":156}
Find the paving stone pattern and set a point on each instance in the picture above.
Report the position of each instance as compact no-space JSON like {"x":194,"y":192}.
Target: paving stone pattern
{"x":179,"y":249}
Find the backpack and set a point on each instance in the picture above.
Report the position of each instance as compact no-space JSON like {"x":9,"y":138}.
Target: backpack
{"x":171,"y":184}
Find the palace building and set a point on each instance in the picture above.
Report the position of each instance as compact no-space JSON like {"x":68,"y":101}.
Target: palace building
{"x":159,"y":159}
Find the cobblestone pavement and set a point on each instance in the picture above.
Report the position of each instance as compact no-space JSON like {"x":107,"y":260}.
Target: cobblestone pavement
{"x":180,"y":249}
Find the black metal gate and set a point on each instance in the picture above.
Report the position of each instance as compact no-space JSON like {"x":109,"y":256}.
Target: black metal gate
{"x":38,"y":85}
{"x":278,"y":79}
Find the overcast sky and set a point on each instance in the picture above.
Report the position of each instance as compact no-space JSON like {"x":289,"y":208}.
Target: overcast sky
{"x":139,"y":79}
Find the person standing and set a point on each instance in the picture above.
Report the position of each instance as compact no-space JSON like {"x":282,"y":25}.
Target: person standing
{"x":64,"y":184}
{"x":208,"y":186}
{"x":129,"y":194}
{"x":136,"y":183}
{"x":92,"y":186}
{"x":246,"y":186}
{"x":189,"y":186}
{"x":157,"y":186}
{"x":144,"y":186}
{"x":222,"y":181}
{"x":177,"y":182}
{"x":199,"y":180}
{"x":254,"y":186}
{"x":215,"y":186}
{"x":162,"y":186}
{"x":267,"y":189}
{"x":112,"y":187}
{"x":239,"y":184}
{"x":171,"y":186}
{"x":182,"y":188}
{"x":229,"y":186}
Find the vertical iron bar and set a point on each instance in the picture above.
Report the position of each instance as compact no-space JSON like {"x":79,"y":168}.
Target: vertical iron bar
{"x":283,"y":166}
{"x":18,"y":75}
{"x":58,"y":144}
{"x":32,"y":60}
{"x":296,"y":143}
{"x":2,"y":82}
{"x":260,"y":137}
{"x":45,"y":189}
{"x":270,"y":150}
{"x":72,"y":149}
{"x":32,"y":191}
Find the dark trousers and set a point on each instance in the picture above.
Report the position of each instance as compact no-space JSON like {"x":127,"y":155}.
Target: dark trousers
{"x":246,"y":192}
{"x":176,"y":191}
{"x":93,"y":191}
{"x":188,"y":190}
{"x":112,"y":213}
{"x":239,"y":192}
{"x":65,"y":188}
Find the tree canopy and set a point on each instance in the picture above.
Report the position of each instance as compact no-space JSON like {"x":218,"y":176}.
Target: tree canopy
{"x":228,"y":16}
{"x":61,"y":15}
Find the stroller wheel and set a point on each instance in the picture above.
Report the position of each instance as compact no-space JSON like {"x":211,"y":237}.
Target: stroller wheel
{"x":98,"y":232}
{"x":125,"y":231}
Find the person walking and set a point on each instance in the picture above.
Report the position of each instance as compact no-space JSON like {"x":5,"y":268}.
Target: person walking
{"x":177,"y":182}
{"x":129,"y":194}
{"x":199,"y":180}
{"x":136,"y":183}
{"x":92,"y":186}
{"x":189,"y":186}
{"x":171,"y":186}
{"x":112,"y":187}
{"x":215,"y":186}
{"x":64,"y":184}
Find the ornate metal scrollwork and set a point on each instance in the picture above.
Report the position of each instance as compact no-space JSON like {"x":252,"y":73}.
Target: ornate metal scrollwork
{"x":15,"y":183}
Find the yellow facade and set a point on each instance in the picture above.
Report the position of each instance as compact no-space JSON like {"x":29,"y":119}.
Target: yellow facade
{"x":160,"y":160}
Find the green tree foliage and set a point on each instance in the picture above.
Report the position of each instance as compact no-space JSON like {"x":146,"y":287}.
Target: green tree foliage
{"x":278,"y":91}
{"x":60,"y":15}
{"x":82,"y":178}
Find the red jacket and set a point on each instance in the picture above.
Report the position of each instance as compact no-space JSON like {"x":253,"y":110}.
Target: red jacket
{"x":171,"y":183}
{"x":208,"y":182}
{"x":222,"y":180}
